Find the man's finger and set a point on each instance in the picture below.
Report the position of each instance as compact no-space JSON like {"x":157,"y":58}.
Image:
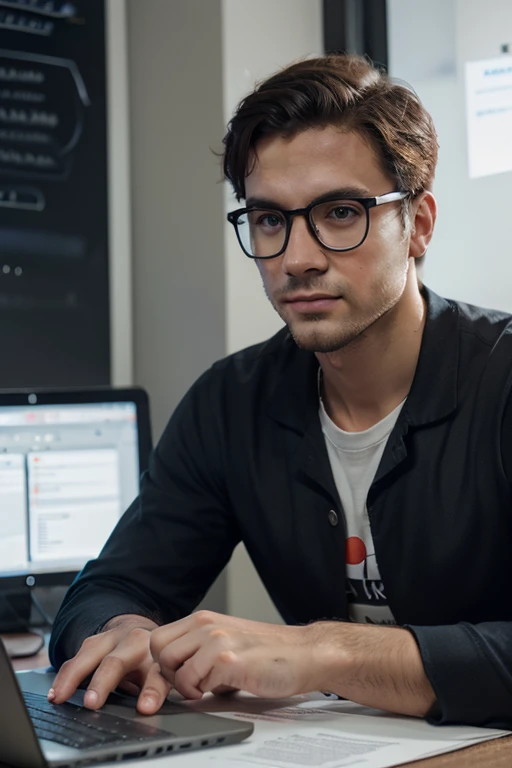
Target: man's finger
{"x":221,"y":690}
{"x":224,"y":675}
{"x":129,"y":655}
{"x":109,"y":674}
{"x":77,"y":669}
{"x":176,"y":653}
{"x":154,"y":691}
{"x":189,"y":678}
{"x":169,"y":633}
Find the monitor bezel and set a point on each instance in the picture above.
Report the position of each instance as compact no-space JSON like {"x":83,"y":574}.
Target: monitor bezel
{"x":75,"y":396}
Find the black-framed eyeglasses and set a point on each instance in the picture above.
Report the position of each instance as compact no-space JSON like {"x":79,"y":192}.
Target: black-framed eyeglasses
{"x":339,"y":224}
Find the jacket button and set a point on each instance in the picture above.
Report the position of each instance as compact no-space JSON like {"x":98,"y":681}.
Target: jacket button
{"x":333,"y":518}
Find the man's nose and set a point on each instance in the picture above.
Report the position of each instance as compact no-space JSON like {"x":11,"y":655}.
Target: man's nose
{"x":303,"y":252}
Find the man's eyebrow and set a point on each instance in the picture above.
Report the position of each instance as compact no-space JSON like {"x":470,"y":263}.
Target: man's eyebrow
{"x":261,"y":202}
{"x":342,"y":193}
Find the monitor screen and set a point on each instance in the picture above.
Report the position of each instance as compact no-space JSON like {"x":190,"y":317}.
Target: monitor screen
{"x":68,"y":472}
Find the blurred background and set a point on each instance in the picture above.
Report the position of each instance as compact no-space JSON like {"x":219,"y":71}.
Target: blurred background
{"x":117,"y":265}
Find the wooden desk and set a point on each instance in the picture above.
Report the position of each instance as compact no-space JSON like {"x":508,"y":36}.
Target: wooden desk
{"x":490,"y":754}
{"x":32,"y":662}
{"x":26,"y":641}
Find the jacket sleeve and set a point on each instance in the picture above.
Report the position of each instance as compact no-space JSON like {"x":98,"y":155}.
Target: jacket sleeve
{"x":470,"y":665}
{"x":469,"y":668}
{"x":171,"y":543}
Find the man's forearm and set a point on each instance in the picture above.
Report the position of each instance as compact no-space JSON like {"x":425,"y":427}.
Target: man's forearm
{"x":377,"y":666}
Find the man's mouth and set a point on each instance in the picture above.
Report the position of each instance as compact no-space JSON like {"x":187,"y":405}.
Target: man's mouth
{"x":311,"y":302}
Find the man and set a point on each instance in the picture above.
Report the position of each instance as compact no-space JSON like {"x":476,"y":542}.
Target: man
{"x":362,"y":454}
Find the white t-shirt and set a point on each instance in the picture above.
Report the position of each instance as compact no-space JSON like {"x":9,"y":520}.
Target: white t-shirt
{"x":354,"y":458}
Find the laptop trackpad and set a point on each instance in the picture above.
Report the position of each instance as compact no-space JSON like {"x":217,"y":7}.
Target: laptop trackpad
{"x":120,"y":699}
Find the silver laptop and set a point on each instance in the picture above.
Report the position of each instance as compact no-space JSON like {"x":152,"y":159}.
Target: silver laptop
{"x":36,"y":734}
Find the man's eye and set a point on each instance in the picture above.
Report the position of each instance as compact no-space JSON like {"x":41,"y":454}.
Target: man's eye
{"x":342,"y":212}
{"x":270,"y":220}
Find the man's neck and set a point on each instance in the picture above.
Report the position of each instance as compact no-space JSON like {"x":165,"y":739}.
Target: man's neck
{"x":366,"y":380}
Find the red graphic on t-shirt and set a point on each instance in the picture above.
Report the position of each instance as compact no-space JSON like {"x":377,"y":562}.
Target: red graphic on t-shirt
{"x":355,"y":550}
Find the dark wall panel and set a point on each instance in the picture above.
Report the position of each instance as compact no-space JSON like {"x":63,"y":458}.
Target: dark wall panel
{"x":54,"y":308}
{"x":356,"y":26}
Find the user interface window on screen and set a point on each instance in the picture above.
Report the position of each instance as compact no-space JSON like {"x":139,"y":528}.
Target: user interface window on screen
{"x":67,"y":473}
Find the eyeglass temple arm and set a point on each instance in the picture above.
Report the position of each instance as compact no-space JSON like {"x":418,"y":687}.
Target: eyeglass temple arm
{"x":390,"y":197}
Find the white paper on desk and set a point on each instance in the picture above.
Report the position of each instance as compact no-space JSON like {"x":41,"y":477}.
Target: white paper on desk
{"x":327,"y":734}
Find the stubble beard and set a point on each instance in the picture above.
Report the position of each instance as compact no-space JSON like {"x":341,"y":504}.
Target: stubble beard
{"x":316,"y":340}
{"x":348,"y":331}
{"x":345,"y":333}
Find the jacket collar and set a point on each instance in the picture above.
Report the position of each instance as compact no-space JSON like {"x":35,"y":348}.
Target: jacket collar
{"x":433,"y":394}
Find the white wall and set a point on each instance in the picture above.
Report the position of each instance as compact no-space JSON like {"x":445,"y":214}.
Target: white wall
{"x":176,"y":117}
{"x":469,"y":258}
{"x":175,"y":79}
{"x":258,"y":39}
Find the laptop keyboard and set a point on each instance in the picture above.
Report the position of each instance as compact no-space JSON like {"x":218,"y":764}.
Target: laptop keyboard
{"x":83,"y":728}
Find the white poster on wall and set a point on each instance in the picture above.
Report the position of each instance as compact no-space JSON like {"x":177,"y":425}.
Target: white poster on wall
{"x":489,"y":115}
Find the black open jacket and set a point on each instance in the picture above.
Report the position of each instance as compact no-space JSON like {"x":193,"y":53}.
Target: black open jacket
{"x":243,"y":458}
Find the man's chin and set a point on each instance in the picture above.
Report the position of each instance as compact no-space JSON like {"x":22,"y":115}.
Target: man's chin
{"x":314,"y":340}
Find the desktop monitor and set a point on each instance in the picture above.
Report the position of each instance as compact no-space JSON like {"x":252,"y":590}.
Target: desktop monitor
{"x":70,"y":463}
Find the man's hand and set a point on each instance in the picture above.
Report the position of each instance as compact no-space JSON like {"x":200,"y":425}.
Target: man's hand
{"x":377,"y":666}
{"x":118,"y":656}
{"x":208,"y":651}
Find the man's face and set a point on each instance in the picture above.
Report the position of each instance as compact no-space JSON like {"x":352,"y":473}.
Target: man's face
{"x":326,"y":298}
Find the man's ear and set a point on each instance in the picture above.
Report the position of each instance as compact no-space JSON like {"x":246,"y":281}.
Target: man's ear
{"x":423,"y":215}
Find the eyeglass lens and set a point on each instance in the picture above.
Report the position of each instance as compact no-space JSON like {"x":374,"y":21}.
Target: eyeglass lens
{"x":338,"y":224}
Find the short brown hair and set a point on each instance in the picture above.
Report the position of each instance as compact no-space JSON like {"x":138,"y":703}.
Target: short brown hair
{"x":341,"y":90}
